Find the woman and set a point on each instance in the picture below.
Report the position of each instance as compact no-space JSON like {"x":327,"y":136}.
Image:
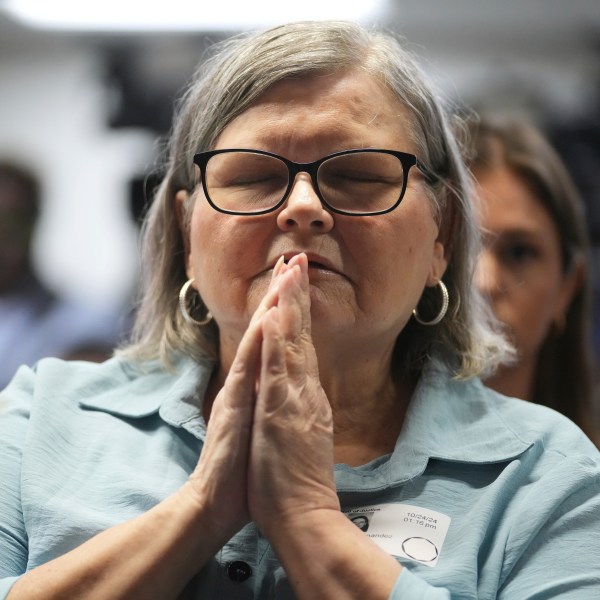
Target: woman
{"x":321,"y":367}
{"x":533,"y":267}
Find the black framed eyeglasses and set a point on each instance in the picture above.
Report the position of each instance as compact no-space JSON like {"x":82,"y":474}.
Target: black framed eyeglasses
{"x":359,"y":182}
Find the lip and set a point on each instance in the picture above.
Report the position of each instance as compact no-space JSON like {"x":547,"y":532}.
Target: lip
{"x":315,"y":261}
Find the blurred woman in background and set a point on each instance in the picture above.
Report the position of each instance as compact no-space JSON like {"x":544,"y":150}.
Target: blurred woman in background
{"x":534,"y":266}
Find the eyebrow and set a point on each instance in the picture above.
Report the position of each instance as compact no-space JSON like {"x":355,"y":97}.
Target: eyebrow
{"x":489,"y":237}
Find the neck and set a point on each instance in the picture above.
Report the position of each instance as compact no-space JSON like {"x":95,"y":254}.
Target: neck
{"x":516,"y":381}
{"x":367,"y":402}
{"x":368,"y":417}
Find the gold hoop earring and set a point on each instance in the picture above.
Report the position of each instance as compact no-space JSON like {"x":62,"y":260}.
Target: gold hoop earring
{"x":183,"y":305}
{"x":443,"y":309}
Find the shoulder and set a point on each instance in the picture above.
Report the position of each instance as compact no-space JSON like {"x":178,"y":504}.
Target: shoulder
{"x":57,"y":377}
{"x":540,"y":424}
{"x":118,"y":386}
{"x":53,"y":383}
{"x":68,"y":381}
{"x":541,"y":458}
{"x":477,"y":424}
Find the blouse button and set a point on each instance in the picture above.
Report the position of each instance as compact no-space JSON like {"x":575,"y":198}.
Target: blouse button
{"x":238,"y":571}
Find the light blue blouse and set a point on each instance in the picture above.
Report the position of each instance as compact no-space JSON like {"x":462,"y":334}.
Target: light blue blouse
{"x":483,"y":496}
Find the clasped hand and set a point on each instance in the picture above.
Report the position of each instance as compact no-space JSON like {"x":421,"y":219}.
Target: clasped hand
{"x":268,"y":455}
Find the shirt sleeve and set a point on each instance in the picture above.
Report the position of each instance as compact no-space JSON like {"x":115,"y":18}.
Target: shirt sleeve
{"x":6,"y":584}
{"x":554,"y":549}
{"x":14,"y":418}
{"x":410,"y":586}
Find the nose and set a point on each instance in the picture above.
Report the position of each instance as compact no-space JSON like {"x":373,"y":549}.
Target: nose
{"x":303,"y":210}
{"x":488,"y":274}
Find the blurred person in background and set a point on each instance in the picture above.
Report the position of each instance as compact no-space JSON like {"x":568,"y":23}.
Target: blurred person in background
{"x":35,"y":322}
{"x":534,"y":267}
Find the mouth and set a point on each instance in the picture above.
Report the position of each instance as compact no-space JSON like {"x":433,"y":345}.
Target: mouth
{"x":315,"y":262}
{"x":317,"y":265}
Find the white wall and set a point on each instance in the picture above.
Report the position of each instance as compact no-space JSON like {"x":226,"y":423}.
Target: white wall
{"x":53,"y":106}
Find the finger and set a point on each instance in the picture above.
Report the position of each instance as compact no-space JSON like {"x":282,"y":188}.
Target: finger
{"x":273,"y":371}
{"x":241,"y":380}
{"x":279,"y":265}
{"x":294,"y":299}
{"x":299,"y":259}
{"x":240,"y":383}
{"x":301,"y":291}
{"x":295,"y":320}
{"x":271,"y":297}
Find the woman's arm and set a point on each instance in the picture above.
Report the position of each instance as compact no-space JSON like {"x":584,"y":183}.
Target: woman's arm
{"x":326,"y":556}
{"x":156,"y":554}
{"x":292,"y":495}
{"x":553,"y":550}
{"x":152,"y":556}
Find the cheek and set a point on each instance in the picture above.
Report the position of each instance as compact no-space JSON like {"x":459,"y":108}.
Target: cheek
{"x":395,"y":260}
{"x":205,"y":233}
{"x":227,"y":258}
{"x":529,"y":311}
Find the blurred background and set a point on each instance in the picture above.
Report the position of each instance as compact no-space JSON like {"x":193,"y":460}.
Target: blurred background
{"x":87,"y":92}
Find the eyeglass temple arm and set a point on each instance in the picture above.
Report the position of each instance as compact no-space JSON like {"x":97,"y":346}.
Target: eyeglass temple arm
{"x":430,"y":176}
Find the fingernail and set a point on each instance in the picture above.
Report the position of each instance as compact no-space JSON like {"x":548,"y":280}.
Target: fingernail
{"x":277,"y":267}
{"x":302,"y":263}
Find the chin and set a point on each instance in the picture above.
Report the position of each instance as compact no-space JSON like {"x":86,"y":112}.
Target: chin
{"x":330,"y":320}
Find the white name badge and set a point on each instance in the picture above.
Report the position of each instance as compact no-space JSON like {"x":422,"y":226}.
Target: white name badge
{"x":403,"y":530}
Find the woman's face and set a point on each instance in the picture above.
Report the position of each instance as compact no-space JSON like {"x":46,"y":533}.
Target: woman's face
{"x":366,"y":273}
{"x":521,"y":269}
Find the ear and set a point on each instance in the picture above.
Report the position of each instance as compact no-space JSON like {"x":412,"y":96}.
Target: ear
{"x":572,"y":282}
{"x":439,"y":263}
{"x":182,"y":198}
{"x":443,"y":244}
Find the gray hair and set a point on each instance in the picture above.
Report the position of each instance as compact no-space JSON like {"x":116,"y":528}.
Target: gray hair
{"x":236,"y":74}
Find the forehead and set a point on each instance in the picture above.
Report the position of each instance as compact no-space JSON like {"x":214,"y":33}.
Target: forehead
{"x":338,"y":110}
{"x":506,"y":202}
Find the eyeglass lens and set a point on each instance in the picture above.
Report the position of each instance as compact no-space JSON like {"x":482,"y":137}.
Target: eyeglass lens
{"x":360,"y":182}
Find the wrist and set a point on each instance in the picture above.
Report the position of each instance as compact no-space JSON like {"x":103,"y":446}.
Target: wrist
{"x":206,"y":519}
{"x":325,"y":555}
